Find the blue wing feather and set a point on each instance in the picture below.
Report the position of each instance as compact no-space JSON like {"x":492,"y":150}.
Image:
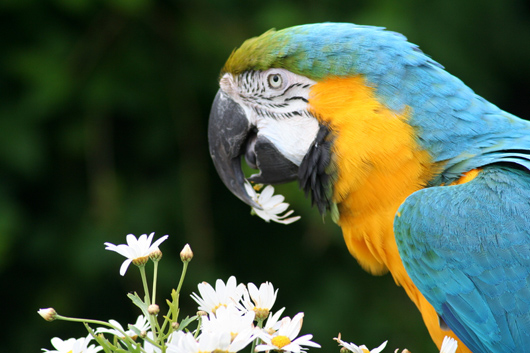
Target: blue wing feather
{"x":467,"y":249}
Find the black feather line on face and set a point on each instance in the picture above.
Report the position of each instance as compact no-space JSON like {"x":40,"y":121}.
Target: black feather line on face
{"x":315,"y":175}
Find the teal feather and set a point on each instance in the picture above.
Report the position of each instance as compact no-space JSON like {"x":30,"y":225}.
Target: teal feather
{"x":467,"y":249}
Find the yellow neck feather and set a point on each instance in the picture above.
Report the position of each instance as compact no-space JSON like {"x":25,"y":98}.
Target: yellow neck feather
{"x":379,"y":164}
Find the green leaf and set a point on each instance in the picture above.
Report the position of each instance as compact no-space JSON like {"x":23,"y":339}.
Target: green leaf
{"x":184,"y":323}
{"x":139,"y":303}
{"x":174,"y":305}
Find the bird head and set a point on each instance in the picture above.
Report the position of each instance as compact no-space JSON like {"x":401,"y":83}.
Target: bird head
{"x":264,"y":117}
{"x":261,"y":113}
{"x":287,"y":97}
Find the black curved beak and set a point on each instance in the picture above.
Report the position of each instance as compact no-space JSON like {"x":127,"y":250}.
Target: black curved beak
{"x":228,"y":129}
{"x":230,"y":136}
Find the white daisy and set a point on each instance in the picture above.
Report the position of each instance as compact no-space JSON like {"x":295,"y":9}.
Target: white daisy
{"x":136,"y":251}
{"x":359,"y":349}
{"x":207,"y":342}
{"x":272,"y":205}
{"x":260,"y":300}
{"x":449,"y":345}
{"x":73,"y":345}
{"x":211,"y":299}
{"x":141,"y":324}
{"x":228,"y":319}
{"x":284,"y":339}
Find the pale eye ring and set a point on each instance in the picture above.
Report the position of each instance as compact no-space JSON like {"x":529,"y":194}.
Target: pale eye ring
{"x":275,"y":81}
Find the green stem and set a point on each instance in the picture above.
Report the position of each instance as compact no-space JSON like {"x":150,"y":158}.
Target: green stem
{"x":151,"y":318}
{"x":156,"y":344}
{"x":153,"y":301}
{"x":199,"y":322}
{"x":144,"y":281}
{"x":182,"y":275}
{"x":253,"y":345}
{"x":99,"y":339}
{"x":96,"y":322}
{"x":174,"y":305}
{"x":155,"y":276}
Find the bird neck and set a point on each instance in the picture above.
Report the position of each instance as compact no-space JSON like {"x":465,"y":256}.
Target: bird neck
{"x":378,"y":164}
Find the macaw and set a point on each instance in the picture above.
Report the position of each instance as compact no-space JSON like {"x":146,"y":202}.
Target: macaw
{"x":426,"y":179}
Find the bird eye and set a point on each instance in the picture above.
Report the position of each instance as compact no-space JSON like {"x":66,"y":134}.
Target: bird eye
{"x":275,"y":81}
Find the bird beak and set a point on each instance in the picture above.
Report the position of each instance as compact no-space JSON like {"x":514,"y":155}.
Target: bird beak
{"x":230,"y":136}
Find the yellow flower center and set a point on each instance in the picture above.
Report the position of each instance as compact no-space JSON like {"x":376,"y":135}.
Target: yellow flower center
{"x":280,"y":341}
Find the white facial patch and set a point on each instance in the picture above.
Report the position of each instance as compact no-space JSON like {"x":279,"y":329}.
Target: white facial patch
{"x":276,"y":102}
{"x":292,"y":137}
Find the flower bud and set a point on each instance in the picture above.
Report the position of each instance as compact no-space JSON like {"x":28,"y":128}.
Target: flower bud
{"x":186,"y":254}
{"x":175,"y":325}
{"x":156,"y":255}
{"x":202,"y":313}
{"x":48,"y":314}
{"x":153,"y":309}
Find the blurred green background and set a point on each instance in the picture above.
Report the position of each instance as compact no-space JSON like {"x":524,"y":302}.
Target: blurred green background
{"x":103,"y":117}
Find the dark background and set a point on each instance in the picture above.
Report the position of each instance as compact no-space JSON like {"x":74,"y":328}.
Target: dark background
{"x":103,"y":117}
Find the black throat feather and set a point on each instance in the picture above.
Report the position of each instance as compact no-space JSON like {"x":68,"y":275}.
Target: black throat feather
{"x":316,"y":173}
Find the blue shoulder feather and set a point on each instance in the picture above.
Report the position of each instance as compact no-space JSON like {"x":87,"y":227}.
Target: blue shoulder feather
{"x":467,"y":249}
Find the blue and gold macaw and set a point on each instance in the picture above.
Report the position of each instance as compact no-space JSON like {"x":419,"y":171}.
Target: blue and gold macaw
{"x":426,"y":179}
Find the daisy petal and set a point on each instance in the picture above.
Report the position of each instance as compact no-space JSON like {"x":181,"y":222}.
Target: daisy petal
{"x":124,"y":266}
{"x":267,"y":193}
